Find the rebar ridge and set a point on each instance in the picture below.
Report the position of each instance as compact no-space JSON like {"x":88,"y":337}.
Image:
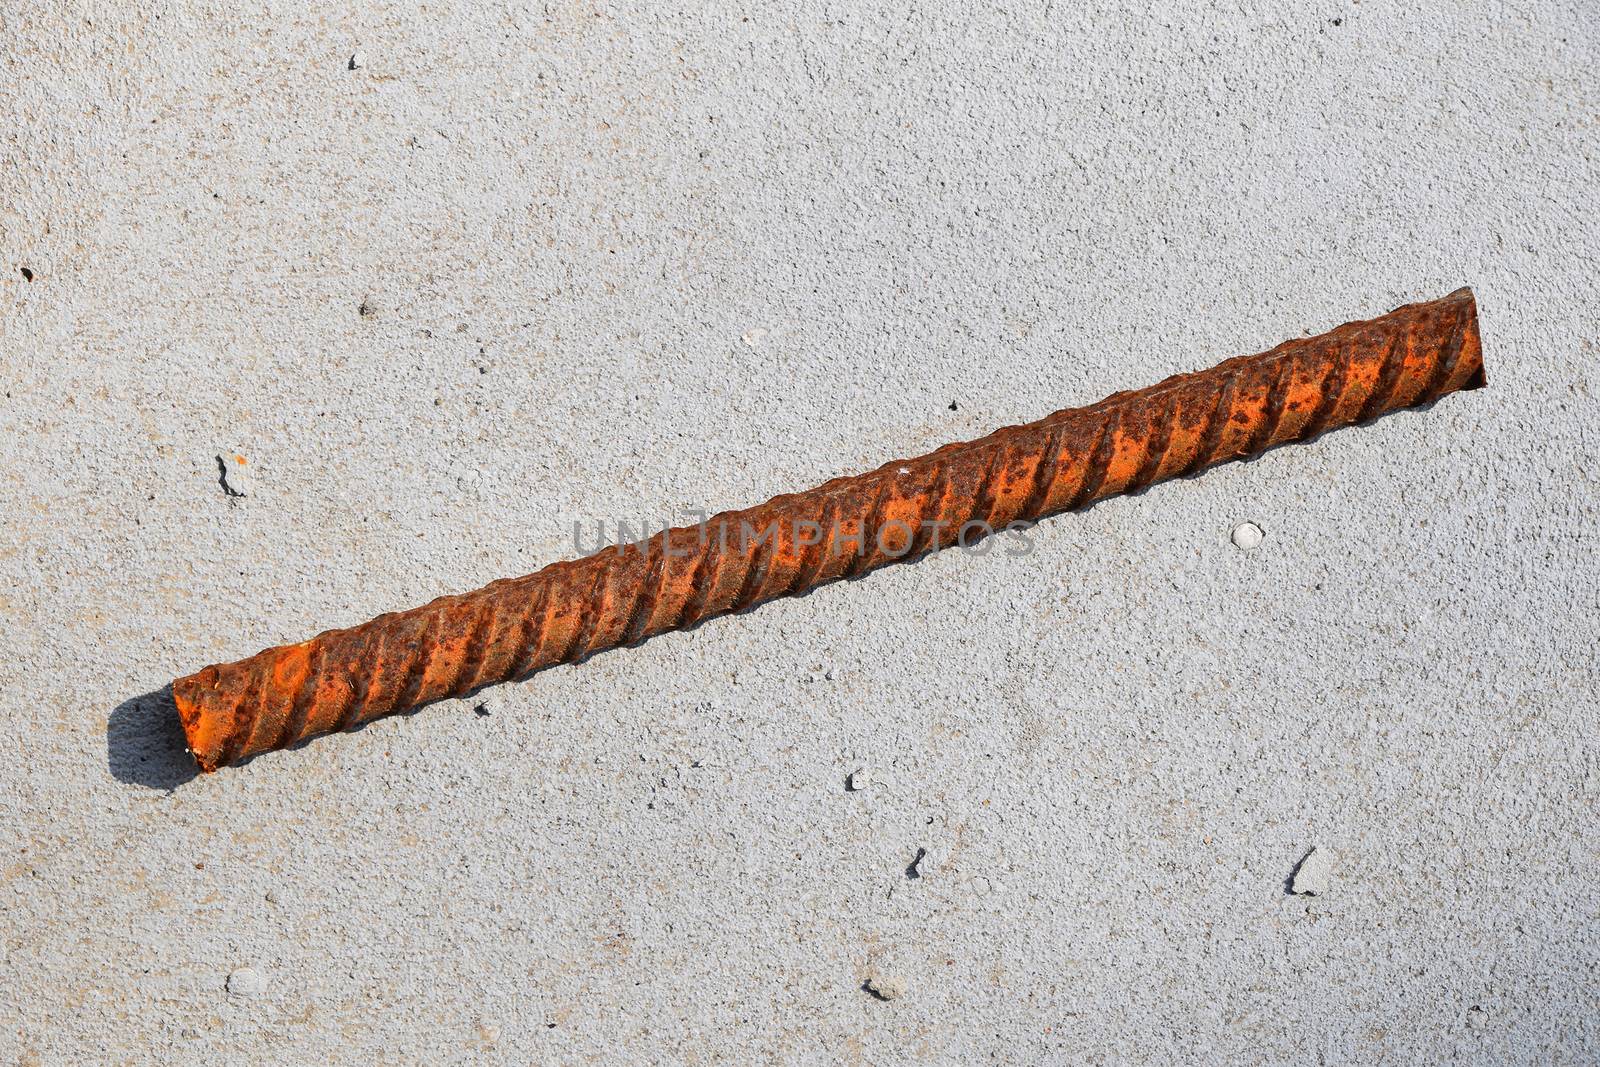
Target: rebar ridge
{"x":623,"y":594}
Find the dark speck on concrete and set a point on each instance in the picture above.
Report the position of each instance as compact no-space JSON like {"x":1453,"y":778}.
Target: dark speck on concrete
{"x":481,"y":711}
{"x":911,"y":869}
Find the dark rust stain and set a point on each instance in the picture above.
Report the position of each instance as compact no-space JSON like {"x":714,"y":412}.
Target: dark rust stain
{"x":465,"y":678}
{"x":811,"y":556}
{"x":294,"y":724}
{"x":642,"y":605}
{"x":983,"y":507}
{"x":589,"y":610}
{"x":868,"y":547}
{"x":1211,"y":433}
{"x":706,"y":573}
{"x":1327,"y":406}
{"x":1044,"y":475}
{"x":1155,"y":449}
{"x":1447,"y":366}
{"x":1272,"y":409}
{"x":510,"y":628}
{"x":1105,"y":447}
{"x":1388,"y":377}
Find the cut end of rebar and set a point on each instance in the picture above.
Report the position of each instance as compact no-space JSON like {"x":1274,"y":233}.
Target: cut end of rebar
{"x":198,"y":729}
{"x":1480,"y":376}
{"x":1471,"y":350}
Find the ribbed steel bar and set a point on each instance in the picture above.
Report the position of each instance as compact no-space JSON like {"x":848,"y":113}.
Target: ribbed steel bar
{"x":843,"y":528}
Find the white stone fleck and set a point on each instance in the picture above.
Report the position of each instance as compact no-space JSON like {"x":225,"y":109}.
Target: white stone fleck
{"x":885,"y":986}
{"x":1311,"y":874}
{"x":1247,"y":535}
{"x":235,"y":474}
{"x":246,"y":982}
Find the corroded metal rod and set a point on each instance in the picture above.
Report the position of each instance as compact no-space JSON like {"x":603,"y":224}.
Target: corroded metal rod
{"x":843,"y":528}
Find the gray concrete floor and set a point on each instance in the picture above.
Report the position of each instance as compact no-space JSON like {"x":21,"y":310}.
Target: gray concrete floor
{"x":621,"y":262}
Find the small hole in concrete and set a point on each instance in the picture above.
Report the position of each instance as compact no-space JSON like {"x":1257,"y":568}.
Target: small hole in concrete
{"x":27,"y":275}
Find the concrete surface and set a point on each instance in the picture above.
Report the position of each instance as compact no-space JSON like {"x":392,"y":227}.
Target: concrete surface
{"x":617,"y":262}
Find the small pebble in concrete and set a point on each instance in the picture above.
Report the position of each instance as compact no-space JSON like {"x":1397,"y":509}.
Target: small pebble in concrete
{"x":358,"y":60}
{"x":1247,"y":535}
{"x":272,"y":896}
{"x":1310,"y":876}
{"x":753,"y":336}
{"x":233,"y":474}
{"x":856,"y":780}
{"x":246,"y":982}
{"x":884,"y":986}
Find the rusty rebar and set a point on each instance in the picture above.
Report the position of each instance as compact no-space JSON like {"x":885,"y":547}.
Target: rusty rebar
{"x":846,"y":527}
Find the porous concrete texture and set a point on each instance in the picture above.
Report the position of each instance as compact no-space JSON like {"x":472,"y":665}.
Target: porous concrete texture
{"x":520,"y":265}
